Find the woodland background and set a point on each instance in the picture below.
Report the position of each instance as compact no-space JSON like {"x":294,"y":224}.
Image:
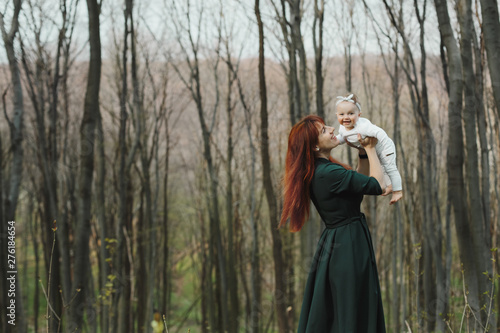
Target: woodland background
{"x":142,"y":146}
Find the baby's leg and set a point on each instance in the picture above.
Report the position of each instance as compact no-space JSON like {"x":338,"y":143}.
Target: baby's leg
{"x":396,"y":196}
{"x":388,"y":184}
{"x":388,"y":162}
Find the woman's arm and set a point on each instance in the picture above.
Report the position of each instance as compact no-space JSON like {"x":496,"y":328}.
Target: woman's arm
{"x":372,"y":163}
{"x":363,"y":163}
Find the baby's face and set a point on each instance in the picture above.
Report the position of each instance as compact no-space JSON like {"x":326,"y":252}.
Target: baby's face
{"x":347,"y":114}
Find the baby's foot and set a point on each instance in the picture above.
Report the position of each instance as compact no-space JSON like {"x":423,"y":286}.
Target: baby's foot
{"x":396,"y":196}
{"x":388,"y":190}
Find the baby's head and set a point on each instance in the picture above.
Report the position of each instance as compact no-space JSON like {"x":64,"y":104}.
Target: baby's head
{"x":348,"y":110}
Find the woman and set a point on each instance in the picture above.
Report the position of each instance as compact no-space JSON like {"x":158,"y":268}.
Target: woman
{"x":342,"y":293}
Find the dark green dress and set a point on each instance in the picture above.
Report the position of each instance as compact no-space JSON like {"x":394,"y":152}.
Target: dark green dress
{"x":342,"y":293}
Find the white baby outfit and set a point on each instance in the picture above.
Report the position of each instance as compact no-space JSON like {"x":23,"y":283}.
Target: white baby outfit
{"x":385,"y":148}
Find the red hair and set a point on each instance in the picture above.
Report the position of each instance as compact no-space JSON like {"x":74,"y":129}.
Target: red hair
{"x":299,"y":171}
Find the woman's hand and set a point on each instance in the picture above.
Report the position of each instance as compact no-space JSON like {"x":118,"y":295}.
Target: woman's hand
{"x":361,"y":150}
{"x":368,"y":142}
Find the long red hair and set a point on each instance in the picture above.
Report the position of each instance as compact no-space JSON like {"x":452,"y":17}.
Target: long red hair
{"x":299,"y":171}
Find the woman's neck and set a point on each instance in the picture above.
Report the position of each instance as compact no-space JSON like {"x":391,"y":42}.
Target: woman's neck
{"x":323,"y":155}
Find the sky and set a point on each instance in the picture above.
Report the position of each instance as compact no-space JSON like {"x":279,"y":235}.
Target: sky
{"x":155,"y":24}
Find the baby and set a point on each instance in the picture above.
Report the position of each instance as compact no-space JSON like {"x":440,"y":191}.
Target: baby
{"x":348,"y":115}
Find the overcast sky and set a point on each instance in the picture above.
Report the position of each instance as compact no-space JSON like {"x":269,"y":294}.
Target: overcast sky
{"x":155,"y":24}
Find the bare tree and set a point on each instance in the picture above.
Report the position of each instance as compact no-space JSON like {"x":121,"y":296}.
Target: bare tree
{"x":398,"y":286}
{"x":431,"y":216}
{"x":43,"y":85}
{"x":291,"y":70}
{"x":280,"y":298}
{"x":455,"y":156}
{"x":480,"y":231}
{"x":319,"y":18}
{"x":91,"y":114}
{"x":169,"y":123}
{"x":347,"y":27}
{"x":491,"y":31}
{"x":254,"y":308}
{"x":16,"y":147}
{"x":192,"y":82}
{"x":232,"y":255}
{"x":147,"y":238}
{"x":3,"y":244}
{"x":126,"y":157}
{"x":479,"y":61}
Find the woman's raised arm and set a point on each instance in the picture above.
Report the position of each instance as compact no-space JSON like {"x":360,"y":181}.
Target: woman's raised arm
{"x":372,"y":163}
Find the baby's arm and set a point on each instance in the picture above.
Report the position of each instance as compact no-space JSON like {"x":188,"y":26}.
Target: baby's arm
{"x":370,"y":129}
{"x":341,"y":138}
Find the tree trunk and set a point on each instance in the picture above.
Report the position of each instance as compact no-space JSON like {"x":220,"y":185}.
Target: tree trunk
{"x":3,"y":228}
{"x":294,"y":87}
{"x":47,"y":154}
{"x":398,"y":254}
{"x":16,"y":147}
{"x":91,"y":114}
{"x":121,"y":299}
{"x":166,"y":278}
{"x":231,"y":259}
{"x":101,"y":224}
{"x":280,"y":298}
{"x":319,"y":14}
{"x":491,"y":31}
{"x":34,"y":238}
{"x":254,"y":310}
{"x":455,"y":158}
{"x":348,"y":70}
{"x":480,"y":234}
{"x":148,"y":232}
{"x":482,"y":123}
{"x":295,"y":21}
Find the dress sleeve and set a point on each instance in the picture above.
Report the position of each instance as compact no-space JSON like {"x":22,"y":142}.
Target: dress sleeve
{"x":350,"y":181}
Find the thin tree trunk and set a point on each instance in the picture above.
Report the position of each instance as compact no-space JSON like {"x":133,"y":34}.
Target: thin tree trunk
{"x":16,"y":139}
{"x":398,"y":225}
{"x":166,"y":229}
{"x":62,"y":224}
{"x":47,"y":155}
{"x":101,"y":223}
{"x":480,"y":235}
{"x":3,"y":229}
{"x":231,"y":273}
{"x":294,"y":88}
{"x":398,"y":254}
{"x":121,"y":299}
{"x":491,"y":31}
{"x":87,"y":137}
{"x":206,"y":283}
{"x":147,"y":234}
{"x":279,"y":288}
{"x":433,"y":271}
{"x":254,"y":309}
{"x":455,"y":158}
{"x":34,"y":238}
{"x":319,"y":15}
{"x":348,"y":68}
{"x":479,"y":59}
{"x":296,"y":19}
